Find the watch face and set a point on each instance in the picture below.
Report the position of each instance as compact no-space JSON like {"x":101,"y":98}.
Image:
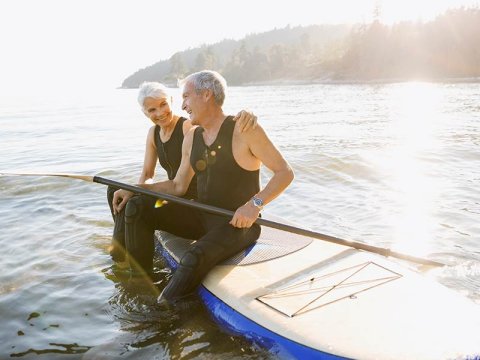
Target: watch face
{"x":257,"y":202}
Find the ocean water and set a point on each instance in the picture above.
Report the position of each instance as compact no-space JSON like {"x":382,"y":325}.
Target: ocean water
{"x":393,"y":165}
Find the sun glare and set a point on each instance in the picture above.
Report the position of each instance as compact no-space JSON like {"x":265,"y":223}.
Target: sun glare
{"x":414,"y":190}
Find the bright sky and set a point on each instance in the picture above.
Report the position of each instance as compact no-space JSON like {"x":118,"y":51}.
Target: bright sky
{"x":97,"y":43}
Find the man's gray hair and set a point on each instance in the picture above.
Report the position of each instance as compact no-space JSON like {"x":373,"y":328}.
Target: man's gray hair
{"x":208,"y":80}
{"x":152,"y":89}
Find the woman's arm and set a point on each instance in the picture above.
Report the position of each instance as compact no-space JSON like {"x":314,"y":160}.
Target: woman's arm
{"x":150,"y":159}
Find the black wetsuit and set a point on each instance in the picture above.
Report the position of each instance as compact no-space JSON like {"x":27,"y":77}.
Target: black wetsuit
{"x":220,"y":182}
{"x":169,"y":155}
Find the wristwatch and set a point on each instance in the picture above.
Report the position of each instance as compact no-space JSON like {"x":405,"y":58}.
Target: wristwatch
{"x":257,"y":202}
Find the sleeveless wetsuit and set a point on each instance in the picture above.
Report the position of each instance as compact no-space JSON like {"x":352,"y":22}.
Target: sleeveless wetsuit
{"x":169,"y":155}
{"x":220,"y":182}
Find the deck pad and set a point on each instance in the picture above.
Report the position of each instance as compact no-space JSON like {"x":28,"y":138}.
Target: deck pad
{"x":272,"y":244}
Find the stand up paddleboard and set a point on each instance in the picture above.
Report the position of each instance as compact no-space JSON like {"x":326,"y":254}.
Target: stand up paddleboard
{"x":304,"y":298}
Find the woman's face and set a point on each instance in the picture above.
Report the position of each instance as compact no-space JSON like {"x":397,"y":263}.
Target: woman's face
{"x":158,"y":110}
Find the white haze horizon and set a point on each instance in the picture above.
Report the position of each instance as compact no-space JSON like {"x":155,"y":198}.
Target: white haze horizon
{"x":68,"y":46}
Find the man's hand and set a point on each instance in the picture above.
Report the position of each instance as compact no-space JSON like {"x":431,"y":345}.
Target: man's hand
{"x":246,"y":120}
{"x":120,"y":198}
{"x":245,"y":215}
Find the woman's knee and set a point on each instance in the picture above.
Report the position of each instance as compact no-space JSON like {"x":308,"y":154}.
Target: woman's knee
{"x":135,"y":207}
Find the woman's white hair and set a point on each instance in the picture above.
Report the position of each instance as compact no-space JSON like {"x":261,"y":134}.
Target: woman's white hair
{"x":152,"y":89}
{"x":208,"y":80}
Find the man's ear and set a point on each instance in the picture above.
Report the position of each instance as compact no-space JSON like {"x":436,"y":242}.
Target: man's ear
{"x":207,"y":94}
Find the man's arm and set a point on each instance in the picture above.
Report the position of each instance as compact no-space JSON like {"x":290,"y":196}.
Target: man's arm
{"x":265,"y":151}
{"x":178,"y":186}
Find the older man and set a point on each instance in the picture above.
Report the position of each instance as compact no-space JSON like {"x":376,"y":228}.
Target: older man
{"x":227,"y":164}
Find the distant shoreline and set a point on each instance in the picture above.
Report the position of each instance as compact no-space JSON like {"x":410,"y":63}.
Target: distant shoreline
{"x":288,"y":82}
{"x":361,"y":81}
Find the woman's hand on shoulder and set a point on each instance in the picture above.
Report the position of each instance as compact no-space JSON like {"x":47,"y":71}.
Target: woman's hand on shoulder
{"x":247,"y":120}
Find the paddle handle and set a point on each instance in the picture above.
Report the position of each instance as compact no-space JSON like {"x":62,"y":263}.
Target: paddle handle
{"x":269,"y":223}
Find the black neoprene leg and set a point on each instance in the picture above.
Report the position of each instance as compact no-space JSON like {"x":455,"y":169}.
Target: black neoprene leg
{"x":117,"y":250}
{"x":142,"y":219}
{"x":139,"y":233}
{"x":220,"y":243}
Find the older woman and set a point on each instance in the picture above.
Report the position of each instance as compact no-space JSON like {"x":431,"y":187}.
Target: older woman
{"x":164,"y":142}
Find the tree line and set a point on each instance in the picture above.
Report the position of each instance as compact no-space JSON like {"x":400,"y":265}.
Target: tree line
{"x":446,"y":47}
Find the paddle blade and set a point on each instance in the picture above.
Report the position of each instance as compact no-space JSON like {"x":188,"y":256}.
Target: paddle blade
{"x":71,"y":176}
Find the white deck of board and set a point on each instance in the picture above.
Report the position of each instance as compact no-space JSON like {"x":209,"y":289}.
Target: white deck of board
{"x":410,"y":316}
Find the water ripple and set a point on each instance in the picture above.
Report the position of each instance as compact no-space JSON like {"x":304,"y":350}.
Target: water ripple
{"x":369,"y":167}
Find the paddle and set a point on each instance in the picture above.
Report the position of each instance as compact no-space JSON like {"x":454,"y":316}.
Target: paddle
{"x":260,"y":221}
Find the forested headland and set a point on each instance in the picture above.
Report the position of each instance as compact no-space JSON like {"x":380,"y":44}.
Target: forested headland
{"x":447,"y":47}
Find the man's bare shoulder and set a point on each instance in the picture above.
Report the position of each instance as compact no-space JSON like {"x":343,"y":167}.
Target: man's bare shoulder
{"x":251,"y":134}
{"x":190,"y":132}
{"x":187,"y":126}
{"x":188,"y":138}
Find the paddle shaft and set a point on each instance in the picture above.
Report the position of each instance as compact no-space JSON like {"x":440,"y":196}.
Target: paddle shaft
{"x":269,"y":223}
{"x":259,"y":221}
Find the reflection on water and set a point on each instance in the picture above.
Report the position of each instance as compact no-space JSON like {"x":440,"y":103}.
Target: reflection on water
{"x":392,"y":165}
{"x":416,"y":110}
{"x":147,"y":328}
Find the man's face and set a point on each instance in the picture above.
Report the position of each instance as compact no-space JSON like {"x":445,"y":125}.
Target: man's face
{"x":193,"y":103}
